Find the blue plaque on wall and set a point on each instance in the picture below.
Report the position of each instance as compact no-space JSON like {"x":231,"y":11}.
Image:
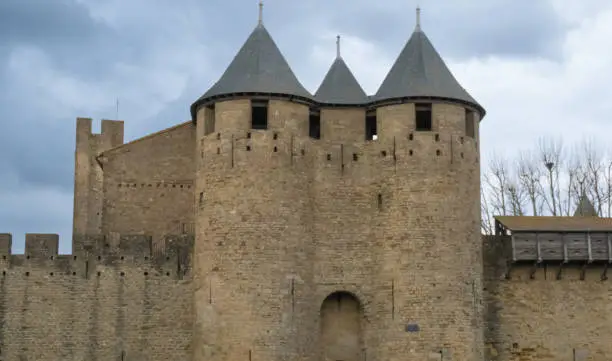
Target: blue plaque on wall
{"x":412,"y":327}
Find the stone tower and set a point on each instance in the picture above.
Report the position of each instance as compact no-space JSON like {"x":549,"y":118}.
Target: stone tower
{"x":337,"y":226}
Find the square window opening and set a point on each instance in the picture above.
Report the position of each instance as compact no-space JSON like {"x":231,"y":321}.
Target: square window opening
{"x":423,"y":117}
{"x":259,"y":115}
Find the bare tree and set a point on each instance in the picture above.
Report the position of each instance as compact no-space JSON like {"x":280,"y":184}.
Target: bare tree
{"x":530,"y":175}
{"x":547,"y":180}
{"x":496,"y":179}
{"x":551,"y":153}
{"x":486,"y":220}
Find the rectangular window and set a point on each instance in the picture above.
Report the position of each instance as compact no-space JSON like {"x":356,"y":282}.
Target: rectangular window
{"x":370,"y":125}
{"x":423,"y":117}
{"x":314,"y":126}
{"x":259,"y":114}
{"x":470,"y":123}
{"x":209,"y":120}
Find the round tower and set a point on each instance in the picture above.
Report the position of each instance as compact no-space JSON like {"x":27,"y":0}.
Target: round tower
{"x":431,"y":250}
{"x":252,"y":209}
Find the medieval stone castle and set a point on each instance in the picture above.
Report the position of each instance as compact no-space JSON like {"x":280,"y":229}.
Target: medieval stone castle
{"x":280,"y":225}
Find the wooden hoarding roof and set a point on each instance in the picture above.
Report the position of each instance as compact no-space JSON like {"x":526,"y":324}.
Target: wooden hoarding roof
{"x":555,"y":224}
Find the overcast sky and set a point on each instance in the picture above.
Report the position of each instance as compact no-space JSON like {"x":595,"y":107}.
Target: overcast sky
{"x":540,"y":68}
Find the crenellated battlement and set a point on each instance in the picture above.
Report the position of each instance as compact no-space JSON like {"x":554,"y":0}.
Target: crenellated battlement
{"x":93,"y":255}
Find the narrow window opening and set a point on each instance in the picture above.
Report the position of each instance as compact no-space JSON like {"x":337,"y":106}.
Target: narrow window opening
{"x":218,"y":150}
{"x":423,"y":117}
{"x":201,"y":198}
{"x":355,"y":157}
{"x":329,"y":157}
{"x":314,"y":125}
{"x":371,"y":130}
{"x":209,"y":120}
{"x":248,"y":148}
{"x":437,"y":137}
{"x":469,"y":123}
{"x":248,"y":135}
{"x":259,"y":114}
{"x":379,"y":200}
{"x":303,"y":152}
{"x":275,"y":136}
{"x":411,"y":136}
{"x":275,"y":149}
{"x":410,"y":152}
{"x":438,"y":152}
{"x":383,"y":153}
{"x":218,"y":136}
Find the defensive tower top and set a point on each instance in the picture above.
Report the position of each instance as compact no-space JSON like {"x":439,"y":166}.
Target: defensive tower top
{"x":420,"y":72}
{"x":339,"y":87}
{"x":258,"y":68}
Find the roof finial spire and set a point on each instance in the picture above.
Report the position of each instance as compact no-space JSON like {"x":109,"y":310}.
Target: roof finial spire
{"x":418,"y":17}
{"x":260,"y":12}
{"x":338,"y":46}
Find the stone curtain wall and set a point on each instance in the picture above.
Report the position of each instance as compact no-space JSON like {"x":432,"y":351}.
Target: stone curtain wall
{"x":536,"y":315}
{"x":148,"y":184}
{"x":112,"y":299}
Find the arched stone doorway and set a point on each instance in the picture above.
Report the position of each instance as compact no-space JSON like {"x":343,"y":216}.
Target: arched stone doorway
{"x":341,"y":328}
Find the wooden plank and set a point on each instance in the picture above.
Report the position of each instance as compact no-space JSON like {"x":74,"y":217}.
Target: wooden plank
{"x":565,"y":254}
{"x":609,"y":248}
{"x":513,"y":249}
{"x":589,"y":249}
{"x":538,"y":247}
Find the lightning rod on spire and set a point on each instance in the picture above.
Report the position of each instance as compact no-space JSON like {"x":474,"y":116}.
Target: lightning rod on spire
{"x":338,"y":46}
{"x":418,"y":17}
{"x":260,"y":12}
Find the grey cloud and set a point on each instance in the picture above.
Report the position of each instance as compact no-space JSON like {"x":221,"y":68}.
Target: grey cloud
{"x":88,"y":39}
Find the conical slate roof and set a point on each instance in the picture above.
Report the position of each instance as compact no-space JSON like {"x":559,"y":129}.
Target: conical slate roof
{"x":419,"y":71}
{"x":340,"y":86}
{"x":585,"y":208}
{"x":259,"y":67}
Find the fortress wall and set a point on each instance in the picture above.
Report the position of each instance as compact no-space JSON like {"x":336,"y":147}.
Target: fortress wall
{"x":343,"y":124}
{"x":535,"y":316}
{"x":88,"y":175}
{"x":397,"y":224}
{"x":112,"y":299}
{"x":148,"y":184}
{"x":253,"y":252}
{"x":399,"y":120}
{"x":284,"y":221}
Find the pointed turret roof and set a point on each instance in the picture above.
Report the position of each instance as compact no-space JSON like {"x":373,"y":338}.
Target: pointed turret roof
{"x":419,"y":71}
{"x":585,"y":208}
{"x":340,"y":86}
{"x":259,"y":67}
